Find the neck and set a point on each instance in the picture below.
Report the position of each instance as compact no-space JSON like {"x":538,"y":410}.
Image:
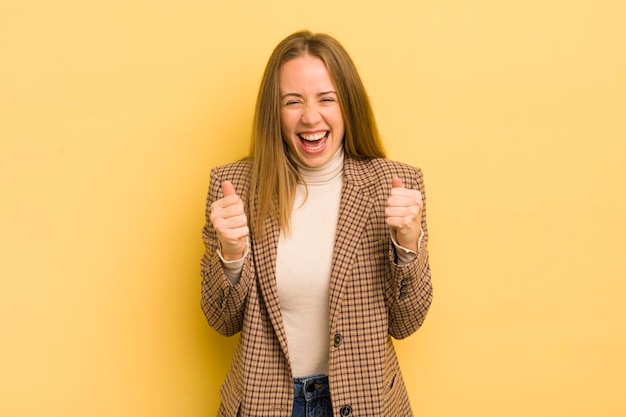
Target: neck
{"x":324,"y":173}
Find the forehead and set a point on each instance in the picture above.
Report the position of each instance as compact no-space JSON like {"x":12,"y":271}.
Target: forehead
{"x":305,"y":73}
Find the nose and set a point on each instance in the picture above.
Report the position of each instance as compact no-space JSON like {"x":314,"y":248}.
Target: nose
{"x":310,"y":114}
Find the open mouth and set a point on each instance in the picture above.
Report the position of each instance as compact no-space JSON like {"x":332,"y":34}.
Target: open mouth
{"x":314,"y":142}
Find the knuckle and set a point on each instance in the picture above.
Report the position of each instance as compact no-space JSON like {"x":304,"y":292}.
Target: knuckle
{"x":227,"y":234}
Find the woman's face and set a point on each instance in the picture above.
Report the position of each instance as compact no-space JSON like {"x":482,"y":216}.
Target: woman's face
{"x":310,"y":115}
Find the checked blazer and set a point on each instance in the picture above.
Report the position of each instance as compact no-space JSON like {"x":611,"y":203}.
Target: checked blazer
{"x":372,"y":300}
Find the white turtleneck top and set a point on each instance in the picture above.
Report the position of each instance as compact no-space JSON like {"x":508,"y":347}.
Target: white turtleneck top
{"x":303,"y":266}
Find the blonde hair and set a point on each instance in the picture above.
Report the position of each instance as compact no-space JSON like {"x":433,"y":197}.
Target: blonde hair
{"x":274,"y":174}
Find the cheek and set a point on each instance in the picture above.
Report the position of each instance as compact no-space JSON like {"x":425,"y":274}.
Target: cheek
{"x":337,"y":118}
{"x":287,"y":123}
{"x":339,"y":124}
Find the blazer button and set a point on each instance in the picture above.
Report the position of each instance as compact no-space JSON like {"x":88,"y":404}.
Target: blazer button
{"x":338,"y":340}
{"x":346,"y":411}
{"x":403,"y":292}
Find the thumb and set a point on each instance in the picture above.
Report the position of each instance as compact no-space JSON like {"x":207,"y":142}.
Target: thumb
{"x":227,"y":188}
{"x":396,"y":182}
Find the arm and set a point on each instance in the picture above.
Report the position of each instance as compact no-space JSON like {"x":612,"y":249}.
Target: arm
{"x":223,"y":291}
{"x":411,"y":289}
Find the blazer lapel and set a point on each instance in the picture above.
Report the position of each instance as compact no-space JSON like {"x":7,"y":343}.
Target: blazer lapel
{"x":264,"y":252}
{"x":354,"y":211}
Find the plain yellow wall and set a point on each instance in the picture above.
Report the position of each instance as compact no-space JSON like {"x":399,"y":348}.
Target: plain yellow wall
{"x":113,"y":112}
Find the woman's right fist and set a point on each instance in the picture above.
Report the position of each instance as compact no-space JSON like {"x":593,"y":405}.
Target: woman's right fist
{"x":230,"y":222}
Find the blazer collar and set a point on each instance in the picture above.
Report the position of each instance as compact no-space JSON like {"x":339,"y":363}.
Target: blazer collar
{"x":358,"y":172}
{"x":354,"y":212}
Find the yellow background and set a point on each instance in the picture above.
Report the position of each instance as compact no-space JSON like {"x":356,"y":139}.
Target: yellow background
{"x":113,"y":112}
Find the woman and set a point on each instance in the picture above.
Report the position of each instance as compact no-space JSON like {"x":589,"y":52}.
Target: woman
{"x":315,"y":247}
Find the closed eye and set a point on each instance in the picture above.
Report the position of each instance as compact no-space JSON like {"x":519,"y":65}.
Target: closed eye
{"x":292,"y":103}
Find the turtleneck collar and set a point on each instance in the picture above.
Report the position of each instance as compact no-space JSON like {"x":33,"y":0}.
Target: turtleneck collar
{"x":323,"y":174}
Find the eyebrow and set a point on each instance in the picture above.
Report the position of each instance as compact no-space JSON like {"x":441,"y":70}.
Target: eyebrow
{"x":323,"y":93}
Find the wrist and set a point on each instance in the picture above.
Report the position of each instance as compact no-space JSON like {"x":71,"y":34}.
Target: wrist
{"x":233,"y":253}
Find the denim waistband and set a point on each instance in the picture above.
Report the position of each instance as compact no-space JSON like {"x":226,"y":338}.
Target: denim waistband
{"x":311,"y":387}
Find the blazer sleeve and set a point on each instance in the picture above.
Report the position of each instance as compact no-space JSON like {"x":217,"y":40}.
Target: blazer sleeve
{"x":221,"y":301}
{"x":411,"y":291}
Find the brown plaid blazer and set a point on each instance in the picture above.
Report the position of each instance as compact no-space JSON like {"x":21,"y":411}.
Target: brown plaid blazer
{"x":371,"y":300}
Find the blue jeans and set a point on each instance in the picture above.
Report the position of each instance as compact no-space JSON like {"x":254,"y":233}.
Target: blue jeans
{"x":312,"y":397}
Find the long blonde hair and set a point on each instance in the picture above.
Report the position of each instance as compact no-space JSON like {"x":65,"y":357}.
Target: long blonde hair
{"x":274,"y":174}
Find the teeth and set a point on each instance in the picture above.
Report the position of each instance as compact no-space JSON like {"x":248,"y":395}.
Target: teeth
{"x":313,"y":137}
{"x":314,"y":148}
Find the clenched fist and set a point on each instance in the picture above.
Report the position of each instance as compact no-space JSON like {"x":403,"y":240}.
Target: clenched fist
{"x":404,"y":214}
{"x":230,"y":222}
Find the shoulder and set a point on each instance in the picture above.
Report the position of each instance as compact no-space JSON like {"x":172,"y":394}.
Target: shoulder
{"x":381,"y":170}
{"x":234,"y":172}
{"x":388,"y":165}
{"x":241,"y":167}
{"x":237,"y":173}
